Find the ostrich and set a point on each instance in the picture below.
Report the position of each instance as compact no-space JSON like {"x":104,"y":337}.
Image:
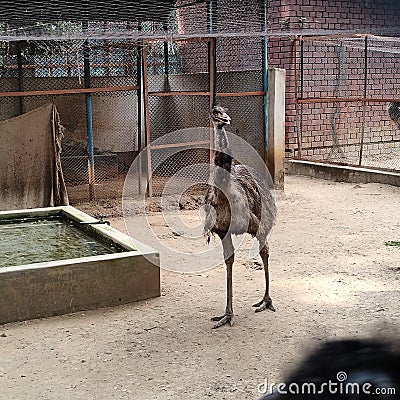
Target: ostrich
{"x":394,"y":112}
{"x":238,"y":201}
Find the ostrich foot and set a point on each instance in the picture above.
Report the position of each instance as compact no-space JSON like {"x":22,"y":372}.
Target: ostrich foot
{"x":222,"y":320}
{"x":264,"y":304}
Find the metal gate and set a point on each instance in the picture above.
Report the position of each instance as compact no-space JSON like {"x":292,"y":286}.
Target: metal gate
{"x":178,"y":95}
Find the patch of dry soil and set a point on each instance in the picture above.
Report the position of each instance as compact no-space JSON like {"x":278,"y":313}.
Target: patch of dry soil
{"x":332,"y":276}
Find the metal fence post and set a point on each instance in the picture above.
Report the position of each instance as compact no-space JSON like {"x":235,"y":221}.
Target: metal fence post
{"x":89,"y":117}
{"x":20,"y":63}
{"x":147,"y":122}
{"x":364,"y":100}
{"x":212,"y":50}
{"x":264,"y":61}
{"x":212,"y":65}
{"x":139,"y":94}
{"x":166,"y":53}
{"x":300,"y":113}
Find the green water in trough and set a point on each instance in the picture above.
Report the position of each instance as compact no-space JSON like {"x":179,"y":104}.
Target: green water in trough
{"x":31,"y":241}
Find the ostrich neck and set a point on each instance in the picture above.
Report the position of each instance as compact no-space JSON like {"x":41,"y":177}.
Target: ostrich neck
{"x":221,"y":142}
{"x":222,"y":150}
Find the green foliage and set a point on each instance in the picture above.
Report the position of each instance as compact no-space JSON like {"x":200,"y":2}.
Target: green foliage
{"x":39,"y":48}
{"x":393,"y":243}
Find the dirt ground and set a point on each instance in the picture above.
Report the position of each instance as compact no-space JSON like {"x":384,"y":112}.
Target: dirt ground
{"x":332,"y":276}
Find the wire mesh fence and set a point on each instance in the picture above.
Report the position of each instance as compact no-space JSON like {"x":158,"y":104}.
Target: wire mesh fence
{"x":143,"y":91}
{"x":39,"y":72}
{"x":176,"y":102}
{"x":195,"y":53}
{"x":179,"y":103}
{"x":240,"y":87}
{"x":345,"y":87}
{"x":134,"y":103}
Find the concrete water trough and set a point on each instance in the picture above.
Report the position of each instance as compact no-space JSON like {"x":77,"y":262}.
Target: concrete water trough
{"x":58,"y":260}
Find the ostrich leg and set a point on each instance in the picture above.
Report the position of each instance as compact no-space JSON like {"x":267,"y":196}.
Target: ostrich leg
{"x":229,"y":255}
{"x":266,"y":302}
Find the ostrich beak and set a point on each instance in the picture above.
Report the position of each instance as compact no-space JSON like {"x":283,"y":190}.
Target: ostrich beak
{"x":225,"y":118}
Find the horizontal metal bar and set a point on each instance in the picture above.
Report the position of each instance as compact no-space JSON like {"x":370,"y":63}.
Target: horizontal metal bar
{"x":347,"y":100}
{"x":234,"y":94}
{"x":187,"y":144}
{"x":333,"y":36}
{"x":68,"y":91}
{"x":239,"y":94}
{"x":137,"y":36}
{"x":66,"y":66}
{"x":163,"y":94}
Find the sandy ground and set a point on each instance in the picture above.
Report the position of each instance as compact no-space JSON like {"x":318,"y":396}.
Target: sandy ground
{"x":332,"y":277}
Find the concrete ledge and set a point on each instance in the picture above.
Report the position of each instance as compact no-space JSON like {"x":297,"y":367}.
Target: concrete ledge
{"x":50,"y":288}
{"x":27,"y":293}
{"x":339,"y":173}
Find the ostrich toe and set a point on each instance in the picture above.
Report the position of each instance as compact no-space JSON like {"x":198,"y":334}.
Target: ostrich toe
{"x":222,"y":320}
{"x":264,"y":304}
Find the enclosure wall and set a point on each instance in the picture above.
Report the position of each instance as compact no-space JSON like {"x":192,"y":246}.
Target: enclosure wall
{"x":380,"y":17}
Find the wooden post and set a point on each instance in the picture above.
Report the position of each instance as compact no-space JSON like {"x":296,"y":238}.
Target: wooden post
{"x":276,"y":126}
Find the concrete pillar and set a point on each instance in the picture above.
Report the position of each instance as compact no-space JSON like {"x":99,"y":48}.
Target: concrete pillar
{"x":276,"y":125}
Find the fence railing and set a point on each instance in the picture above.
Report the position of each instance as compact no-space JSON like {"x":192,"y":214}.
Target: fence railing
{"x":116,"y":98}
{"x":344,"y":88}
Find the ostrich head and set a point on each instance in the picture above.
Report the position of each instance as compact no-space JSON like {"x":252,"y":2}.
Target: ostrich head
{"x":219,"y":117}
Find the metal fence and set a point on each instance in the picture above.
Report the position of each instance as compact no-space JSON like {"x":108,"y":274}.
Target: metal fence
{"x":177,"y":104}
{"x":94,"y":157}
{"x":136,"y":76}
{"x":345,"y":88}
{"x":115,"y":97}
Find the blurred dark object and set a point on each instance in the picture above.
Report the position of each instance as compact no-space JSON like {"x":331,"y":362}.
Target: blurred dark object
{"x":346,"y":369}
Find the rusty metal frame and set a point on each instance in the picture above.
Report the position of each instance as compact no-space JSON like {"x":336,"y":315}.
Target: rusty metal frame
{"x":68,"y":91}
{"x":146,"y":92}
{"x":298,"y":76}
{"x":211,"y":93}
{"x":347,"y":100}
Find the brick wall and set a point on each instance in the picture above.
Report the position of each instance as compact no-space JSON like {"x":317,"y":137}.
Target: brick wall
{"x":233,"y":53}
{"x":336,"y":70}
{"x":335,"y":14}
{"x":332,"y":68}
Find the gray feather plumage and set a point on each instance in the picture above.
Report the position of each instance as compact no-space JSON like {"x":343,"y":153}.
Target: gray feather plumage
{"x":239,"y":198}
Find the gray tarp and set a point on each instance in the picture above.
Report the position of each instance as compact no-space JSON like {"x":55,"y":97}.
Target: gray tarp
{"x":30,"y":167}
